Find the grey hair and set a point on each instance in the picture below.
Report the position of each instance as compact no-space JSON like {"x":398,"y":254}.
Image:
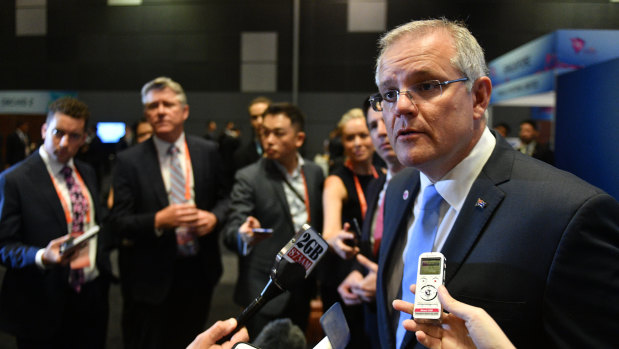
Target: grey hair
{"x":469,"y":58}
{"x":161,"y":83}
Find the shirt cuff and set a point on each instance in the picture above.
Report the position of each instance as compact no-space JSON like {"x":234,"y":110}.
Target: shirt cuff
{"x":244,"y":247}
{"x":39,"y":258}
{"x":158,"y":232}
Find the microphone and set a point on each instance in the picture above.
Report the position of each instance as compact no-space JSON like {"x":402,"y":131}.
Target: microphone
{"x":293,"y":263}
{"x":280,"y":334}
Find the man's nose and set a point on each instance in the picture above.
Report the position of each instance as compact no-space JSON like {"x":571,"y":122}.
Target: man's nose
{"x":64,"y":140}
{"x":405,"y":104}
{"x":381,"y":129}
{"x":160,"y":108}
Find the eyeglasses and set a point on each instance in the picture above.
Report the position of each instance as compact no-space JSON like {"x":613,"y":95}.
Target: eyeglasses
{"x":418,"y":93}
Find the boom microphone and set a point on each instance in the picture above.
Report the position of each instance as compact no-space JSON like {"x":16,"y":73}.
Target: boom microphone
{"x":294,"y":262}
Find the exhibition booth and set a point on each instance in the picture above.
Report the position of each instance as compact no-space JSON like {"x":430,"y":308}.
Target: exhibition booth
{"x":567,"y":78}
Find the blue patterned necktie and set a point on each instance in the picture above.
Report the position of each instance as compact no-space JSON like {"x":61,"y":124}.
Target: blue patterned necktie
{"x":185,"y":240}
{"x":79,"y":205}
{"x":421,"y":240}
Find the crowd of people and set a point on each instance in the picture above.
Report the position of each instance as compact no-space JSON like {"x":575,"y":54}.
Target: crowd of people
{"x":531,"y":251}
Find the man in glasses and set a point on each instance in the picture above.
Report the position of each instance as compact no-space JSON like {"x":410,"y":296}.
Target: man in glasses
{"x":50,"y":298}
{"x":533,"y":246}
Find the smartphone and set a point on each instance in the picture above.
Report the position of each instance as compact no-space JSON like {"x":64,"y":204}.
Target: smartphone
{"x":262,"y":230}
{"x":356,"y":230}
{"x":430,"y":275}
{"x":74,"y":242}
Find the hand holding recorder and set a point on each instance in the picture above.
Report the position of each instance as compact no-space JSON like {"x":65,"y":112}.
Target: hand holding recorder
{"x":464,"y":326}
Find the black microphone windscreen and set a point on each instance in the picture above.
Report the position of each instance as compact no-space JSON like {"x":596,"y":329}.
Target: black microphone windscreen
{"x":281,"y":334}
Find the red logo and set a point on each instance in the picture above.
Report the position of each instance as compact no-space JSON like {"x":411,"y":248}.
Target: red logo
{"x":298,"y":257}
{"x":577,"y":44}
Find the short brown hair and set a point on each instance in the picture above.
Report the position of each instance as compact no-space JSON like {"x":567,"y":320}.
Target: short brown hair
{"x":71,"y":107}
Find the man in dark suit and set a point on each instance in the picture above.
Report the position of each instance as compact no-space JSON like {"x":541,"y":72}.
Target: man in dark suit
{"x":280,"y":192}
{"x":252,"y":150}
{"x":535,"y":247}
{"x":168,"y":203}
{"x":50,"y":299}
{"x":18,"y":144}
{"x":360,"y":285}
{"x":529,"y":144}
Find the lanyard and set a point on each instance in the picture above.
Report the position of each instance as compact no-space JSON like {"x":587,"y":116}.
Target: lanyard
{"x":187,"y":173}
{"x":65,"y":207}
{"x":296,"y":193}
{"x":362,"y":202}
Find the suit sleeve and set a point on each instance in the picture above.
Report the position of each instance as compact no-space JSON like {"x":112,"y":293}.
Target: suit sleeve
{"x":242,"y":201}
{"x":126,"y":222}
{"x":223,"y":186}
{"x":13,"y":253}
{"x":581,"y":302}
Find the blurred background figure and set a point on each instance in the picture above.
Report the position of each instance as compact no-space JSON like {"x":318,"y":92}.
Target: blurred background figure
{"x":281,"y":191}
{"x":529,"y":144}
{"x":252,"y":150}
{"x":211,"y":131}
{"x":344,"y":200}
{"x":359,"y":287}
{"x":503,"y":129}
{"x":18,"y":144}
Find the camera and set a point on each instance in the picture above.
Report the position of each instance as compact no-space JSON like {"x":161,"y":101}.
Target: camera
{"x":430,"y":275}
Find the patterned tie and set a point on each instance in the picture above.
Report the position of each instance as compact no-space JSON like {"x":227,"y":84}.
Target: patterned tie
{"x":185,"y":240}
{"x":421,"y":240}
{"x":79,"y":206}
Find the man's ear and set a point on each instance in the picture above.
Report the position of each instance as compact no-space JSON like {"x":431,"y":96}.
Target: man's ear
{"x":186,"y":112}
{"x":43,"y":130}
{"x":300,"y":138}
{"x":481,"y":91}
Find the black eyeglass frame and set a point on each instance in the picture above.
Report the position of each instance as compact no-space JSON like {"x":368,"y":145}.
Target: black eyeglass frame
{"x":377,"y":98}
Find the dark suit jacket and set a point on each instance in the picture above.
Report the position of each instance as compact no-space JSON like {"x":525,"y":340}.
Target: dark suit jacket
{"x":540,"y":258}
{"x":258,"y":192}
{"x":374,"y":188}
{"x":31,"y":215}
{"x":246,"y":155}
{"x":139,"y":192}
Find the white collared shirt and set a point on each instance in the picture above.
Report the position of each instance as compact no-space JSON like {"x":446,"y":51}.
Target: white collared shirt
{"x":54,"y":168}
{"x":298,"y":211}
{"x":454,"y":188}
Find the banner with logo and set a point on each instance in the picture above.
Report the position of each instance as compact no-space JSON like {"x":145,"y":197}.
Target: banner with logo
{"x":29,"y":102}
{"x":532,"y":68}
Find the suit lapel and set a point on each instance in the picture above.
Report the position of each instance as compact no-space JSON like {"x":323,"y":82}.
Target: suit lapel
{"x":196,"y":166}
{"x":481,"y":202}
{"x":42,"y":183}
{"x":276,"y":182}
{"x":152,"y":170}
{"x":400,"y":197}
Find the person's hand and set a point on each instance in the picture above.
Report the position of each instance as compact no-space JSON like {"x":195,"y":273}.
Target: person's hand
{"x":365,"y":289}
{"x":345,"y":289}
{"x":339,"y":245}
{"x":176,"y":215}
{"x":208,"y":338}
{"x":51,"y":254}
{"x":205,"y":224}
{"x":247,"y":234}
{"x":464,"y":326}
